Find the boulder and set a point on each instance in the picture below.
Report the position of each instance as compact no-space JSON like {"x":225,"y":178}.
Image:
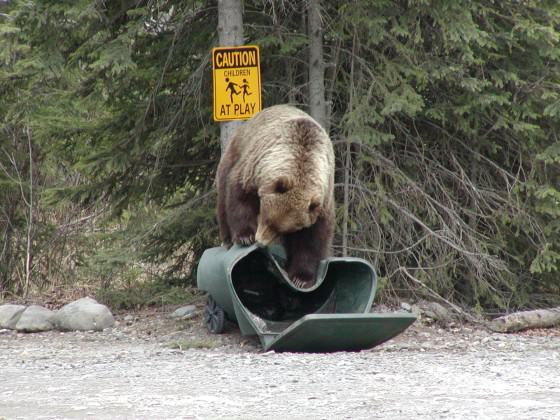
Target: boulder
{"x":9,"y":315}
{"x":34,"y":319}
{"x":84,"y":314}
{"x":433,"y":311}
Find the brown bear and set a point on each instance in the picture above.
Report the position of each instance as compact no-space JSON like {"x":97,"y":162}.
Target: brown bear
{"x":276,"y":180}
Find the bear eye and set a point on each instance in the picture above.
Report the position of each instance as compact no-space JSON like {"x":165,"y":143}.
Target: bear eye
{"x":281,"y":186}
{"x":313,"y":206}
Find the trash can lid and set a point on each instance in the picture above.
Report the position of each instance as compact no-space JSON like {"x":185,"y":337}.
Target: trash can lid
{"x":339,"y":332}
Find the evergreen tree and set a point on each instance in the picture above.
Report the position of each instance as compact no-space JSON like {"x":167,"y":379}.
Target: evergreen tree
{"x":444,"y":117}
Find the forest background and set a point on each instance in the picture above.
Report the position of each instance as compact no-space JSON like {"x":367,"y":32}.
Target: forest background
{"x":445,"y":118}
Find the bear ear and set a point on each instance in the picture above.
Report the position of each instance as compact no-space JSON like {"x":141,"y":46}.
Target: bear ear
{"x":282,"y":184}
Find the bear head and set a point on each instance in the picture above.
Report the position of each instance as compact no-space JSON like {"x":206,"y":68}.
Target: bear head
{"x":287,"y":205}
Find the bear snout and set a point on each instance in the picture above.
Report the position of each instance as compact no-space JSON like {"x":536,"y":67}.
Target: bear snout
{"x":265,"y":234}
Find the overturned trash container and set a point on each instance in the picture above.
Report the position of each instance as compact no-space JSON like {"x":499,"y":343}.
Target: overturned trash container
{"x":249,"y":286}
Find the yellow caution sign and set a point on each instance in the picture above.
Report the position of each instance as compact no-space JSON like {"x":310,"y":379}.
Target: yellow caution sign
{"x":237,"y":82}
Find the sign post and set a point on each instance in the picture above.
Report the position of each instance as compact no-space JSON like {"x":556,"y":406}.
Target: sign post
{"x":236,"y":73}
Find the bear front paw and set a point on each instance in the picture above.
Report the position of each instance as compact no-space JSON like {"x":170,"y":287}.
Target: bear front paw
{"x":303,"y":280}
{"x":244,"y":239}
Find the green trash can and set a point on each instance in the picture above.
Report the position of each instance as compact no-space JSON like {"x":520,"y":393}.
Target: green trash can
{"x":249,"y":286}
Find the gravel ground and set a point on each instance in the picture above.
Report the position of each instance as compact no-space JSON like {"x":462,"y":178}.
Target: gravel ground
{"x":151,"y":367}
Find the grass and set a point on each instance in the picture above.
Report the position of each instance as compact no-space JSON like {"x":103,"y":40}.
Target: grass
{"x":144,"y":294}
{"x":191,"y":344}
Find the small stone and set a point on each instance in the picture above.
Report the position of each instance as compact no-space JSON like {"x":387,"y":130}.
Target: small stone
{"x":406,"y":306}
{"x":9,"y":315}
{"x":184,"y":311}
{"x":34,"y":319}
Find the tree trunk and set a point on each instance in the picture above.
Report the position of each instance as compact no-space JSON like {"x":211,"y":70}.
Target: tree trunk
{"x":348,"y":159}
{"x":7,"y":249}
{"x":29,"y":219}
{"x":230,"y":33}
{"x":541,"y":318}
{"x":317,"y":107}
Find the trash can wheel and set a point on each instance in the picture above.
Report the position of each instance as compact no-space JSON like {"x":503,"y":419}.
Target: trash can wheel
{"x":214,"y":316}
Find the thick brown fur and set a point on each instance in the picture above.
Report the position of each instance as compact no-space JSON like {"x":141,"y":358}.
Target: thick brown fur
{"x":275,"y":181}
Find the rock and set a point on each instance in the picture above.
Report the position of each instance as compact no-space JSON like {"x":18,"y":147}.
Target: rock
{"x":84,"y":315}
{"x":184,"y":311}
{"x":416,"y":310}
{"x":438,"y":312}
{"x":380,"y":308}
{"x":34,"y":319}
{"x":433,"y":310}
{"x":9,"y":315}
{"x":406,"y":306}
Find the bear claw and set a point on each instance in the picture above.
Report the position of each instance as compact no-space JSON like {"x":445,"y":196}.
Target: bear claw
{"x":245,"y":240}
{"x":302,"y":284}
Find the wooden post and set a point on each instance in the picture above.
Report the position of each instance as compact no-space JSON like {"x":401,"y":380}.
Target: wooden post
{"x":317,"y":107}
{"x":230,"y":33}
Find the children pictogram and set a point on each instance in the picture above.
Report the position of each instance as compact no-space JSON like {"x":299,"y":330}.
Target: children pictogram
{"x":231,"y":87}
{"x":244,"y":87}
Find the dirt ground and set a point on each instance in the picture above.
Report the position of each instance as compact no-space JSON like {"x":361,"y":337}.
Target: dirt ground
{"x":152,"y":367}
